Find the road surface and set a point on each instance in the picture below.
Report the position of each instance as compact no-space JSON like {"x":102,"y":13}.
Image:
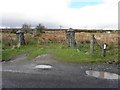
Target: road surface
{"x":21,"y":73}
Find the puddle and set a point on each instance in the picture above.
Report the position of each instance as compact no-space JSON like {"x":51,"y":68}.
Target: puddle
{"x":43,"y":67}
{"x":102,"y":75}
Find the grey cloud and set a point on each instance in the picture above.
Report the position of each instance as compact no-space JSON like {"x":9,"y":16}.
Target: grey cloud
{"x":10,"y":22}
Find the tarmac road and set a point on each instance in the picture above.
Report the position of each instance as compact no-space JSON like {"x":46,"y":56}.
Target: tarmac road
{"x":21,"y":73}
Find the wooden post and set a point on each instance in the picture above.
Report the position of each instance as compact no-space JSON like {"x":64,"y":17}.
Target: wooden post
{"x":92,"y":43}
{"x":104,"y":46}
{"x":20,"y":38}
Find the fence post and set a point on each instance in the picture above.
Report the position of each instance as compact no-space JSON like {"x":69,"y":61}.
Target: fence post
{"x":20,"y":38}
{"x":104,"y":46}
{"x":70,"y":37}
{"x":92,"y":43}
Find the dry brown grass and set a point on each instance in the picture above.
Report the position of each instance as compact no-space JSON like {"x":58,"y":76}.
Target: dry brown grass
{"x":56,"y":37}
{"x":109,"y":38}
{"x":60,"y":36}
{"x":101,"y":37}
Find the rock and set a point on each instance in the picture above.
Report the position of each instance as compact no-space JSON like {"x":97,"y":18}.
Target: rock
{"x":14,"y":47}
{"x":90,"y":68}
{"x":18,"y":45}
{"x":110,"y":62}
{"x":87,"y":53}
{"x":78,"y":50}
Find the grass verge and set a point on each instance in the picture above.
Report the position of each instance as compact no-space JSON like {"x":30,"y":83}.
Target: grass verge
{"x":62,"y":53}
{"x":9,"y":53}
{"x":75,"y":56}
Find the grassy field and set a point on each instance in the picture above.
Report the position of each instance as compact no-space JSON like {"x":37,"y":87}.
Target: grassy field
{"x":46,"y":44}
{"x":62,"y":53}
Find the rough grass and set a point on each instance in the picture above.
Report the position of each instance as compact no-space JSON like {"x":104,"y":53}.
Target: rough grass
{"x":59,"y":50}
{"x":111,"y":38}
{"x":83,"y":56}
{"x":62,"y":53}
{"x":36,"y":52}
{"x":10,"y":53}
{"x":60,"y":36}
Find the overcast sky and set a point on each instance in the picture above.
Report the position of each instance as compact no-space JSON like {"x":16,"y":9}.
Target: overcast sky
{"x":97,"y":14}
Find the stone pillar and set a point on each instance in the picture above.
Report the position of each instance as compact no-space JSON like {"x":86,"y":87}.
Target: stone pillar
{"x":20,"y":38}
{"x":70,"y":37}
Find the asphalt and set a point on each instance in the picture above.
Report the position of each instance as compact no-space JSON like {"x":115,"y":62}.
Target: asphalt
{"x":20,"y":72}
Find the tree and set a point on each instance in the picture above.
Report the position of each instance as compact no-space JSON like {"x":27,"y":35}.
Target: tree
{"x":26,"y":28}
{"x":40,"y":28}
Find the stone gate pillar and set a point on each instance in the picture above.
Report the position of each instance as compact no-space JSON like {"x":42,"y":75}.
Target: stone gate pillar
{"x":70,"y":37}
{"x":20,"y":38}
